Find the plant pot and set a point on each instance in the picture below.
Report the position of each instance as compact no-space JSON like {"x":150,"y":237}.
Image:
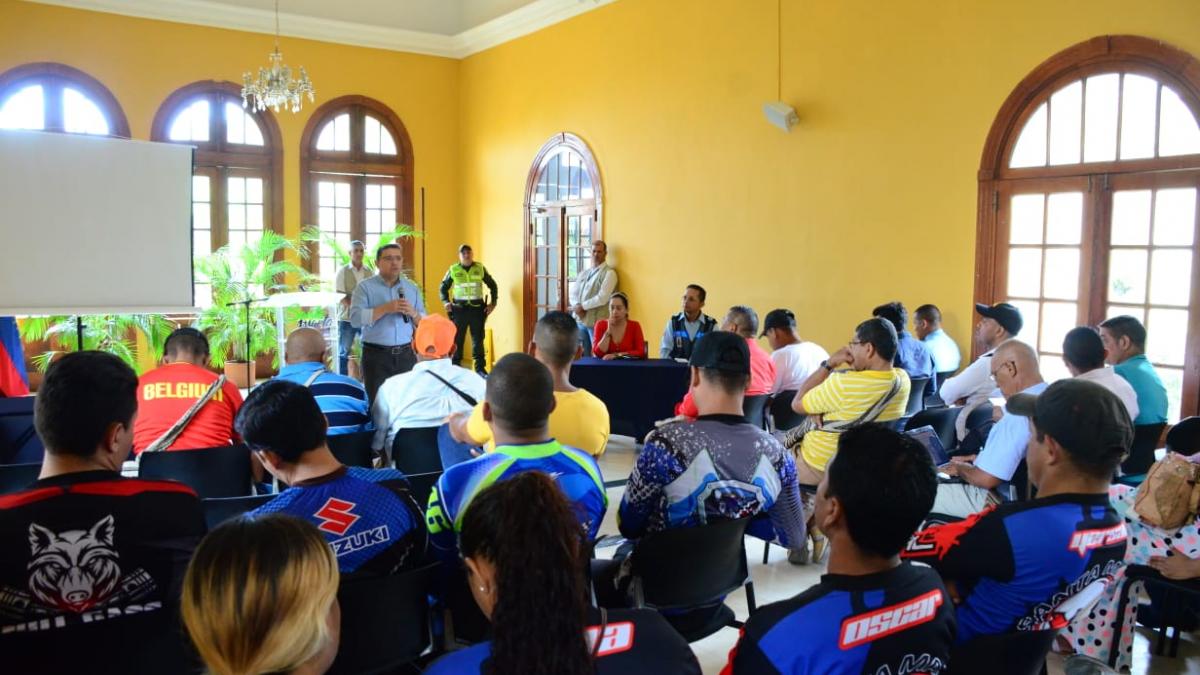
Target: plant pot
{"x":235,"y":372}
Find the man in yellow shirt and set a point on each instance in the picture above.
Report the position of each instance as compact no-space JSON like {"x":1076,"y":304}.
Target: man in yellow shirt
{"x":579,"y":419}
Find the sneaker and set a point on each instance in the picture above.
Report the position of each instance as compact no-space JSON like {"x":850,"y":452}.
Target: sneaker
{"x":820,"y":550}
{"x":798,"y":556}
{"x":1078,"y":664}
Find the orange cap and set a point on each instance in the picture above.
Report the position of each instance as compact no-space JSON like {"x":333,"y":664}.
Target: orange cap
{"x":435,"y":336}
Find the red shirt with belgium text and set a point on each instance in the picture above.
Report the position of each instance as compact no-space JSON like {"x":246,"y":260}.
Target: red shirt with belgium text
{"x":164,"y":395}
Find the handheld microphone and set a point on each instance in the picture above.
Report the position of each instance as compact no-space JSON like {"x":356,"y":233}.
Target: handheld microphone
{"x":400,"y":294}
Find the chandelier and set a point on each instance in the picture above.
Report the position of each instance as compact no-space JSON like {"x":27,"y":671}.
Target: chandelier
{"x":274,"y":87}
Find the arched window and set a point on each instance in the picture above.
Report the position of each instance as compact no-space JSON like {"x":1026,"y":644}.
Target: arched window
{"x":562,"y":219}
{"x":356,"y":177}
{"x":237,"y":187}
{"x":56,"y":97}
{"x":1088,"y":196}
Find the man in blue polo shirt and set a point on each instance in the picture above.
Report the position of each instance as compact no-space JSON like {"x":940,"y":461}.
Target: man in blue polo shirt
{"x":387,"y":308}
{"x":368,"y":516}
{"x":1124,"y":339}
{"x":342,"y":399}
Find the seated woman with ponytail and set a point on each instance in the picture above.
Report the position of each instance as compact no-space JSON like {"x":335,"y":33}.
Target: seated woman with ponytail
{"x":525,"y":560}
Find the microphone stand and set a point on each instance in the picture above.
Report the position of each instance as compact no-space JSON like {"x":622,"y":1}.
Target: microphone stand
{"x":246,"y":303}
{"x":78,"y":333}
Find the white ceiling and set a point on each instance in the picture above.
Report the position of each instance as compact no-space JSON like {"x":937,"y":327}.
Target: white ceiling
{"x":453,"y":28}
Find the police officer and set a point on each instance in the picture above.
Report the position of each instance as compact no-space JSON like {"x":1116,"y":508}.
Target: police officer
{"x":468,"y":309}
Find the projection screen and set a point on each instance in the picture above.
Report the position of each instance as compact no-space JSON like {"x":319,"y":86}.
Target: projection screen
{"x":94,"y":225}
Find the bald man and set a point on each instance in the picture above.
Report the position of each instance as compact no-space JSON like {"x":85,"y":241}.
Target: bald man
{"x":342,"y":399}
{"x":1015,"y":369}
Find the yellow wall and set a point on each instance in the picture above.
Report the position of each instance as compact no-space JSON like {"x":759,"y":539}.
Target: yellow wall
{"x":895,"y":100}
{"x":143,"y":61}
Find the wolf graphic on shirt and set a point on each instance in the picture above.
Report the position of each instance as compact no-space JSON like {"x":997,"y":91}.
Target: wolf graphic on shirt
{"x":73,"y":570}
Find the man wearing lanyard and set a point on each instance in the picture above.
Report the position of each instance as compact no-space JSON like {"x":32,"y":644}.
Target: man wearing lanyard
{"x":386,"y":307}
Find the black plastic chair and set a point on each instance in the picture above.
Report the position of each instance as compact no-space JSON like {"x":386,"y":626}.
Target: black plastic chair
{"x":220,"y":509}
{"x":755,"y":409}
{"x":781,"y":411}
{"x":421,"y":484}
{"x":1184,"y":437}
{"x":1021,"y":653}
{"x":916,"y":396}
{"x":211,"y":472}
{"x":1141,"y":453}
{"x":1170,"y":606}
{"x":415,"y":451}
{"x":690,"y":567}
{"x":942,"y":421}
{"x":353,"y":449}
{"x":385,"y":622}
{"x":17,"y":477}
{"x":19,"y":442}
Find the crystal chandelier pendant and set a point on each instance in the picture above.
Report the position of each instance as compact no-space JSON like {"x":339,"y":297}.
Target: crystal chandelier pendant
{"x":274,"y":87}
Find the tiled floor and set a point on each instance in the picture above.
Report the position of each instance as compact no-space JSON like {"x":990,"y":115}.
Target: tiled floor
{"x":779,"y":579}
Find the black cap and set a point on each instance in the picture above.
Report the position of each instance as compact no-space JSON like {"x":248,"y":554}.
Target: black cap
{"x":465,"y":247}
{"x":778,"y":318}
{"x":1006,"y":315}
{"x":1082,"y":416}
{"x":722,"y":350}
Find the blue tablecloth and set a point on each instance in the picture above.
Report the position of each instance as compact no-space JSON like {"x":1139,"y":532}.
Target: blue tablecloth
{"x":637,"y":393}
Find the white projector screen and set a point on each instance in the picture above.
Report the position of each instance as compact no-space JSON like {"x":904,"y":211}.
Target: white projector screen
{"x":94,"y":225}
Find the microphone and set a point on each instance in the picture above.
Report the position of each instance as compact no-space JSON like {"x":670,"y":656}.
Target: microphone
{"x":400,"y":294}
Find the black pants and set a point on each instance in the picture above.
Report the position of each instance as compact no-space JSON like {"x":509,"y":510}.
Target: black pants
{"x":379,"y":363}
{"x":469,"y":317}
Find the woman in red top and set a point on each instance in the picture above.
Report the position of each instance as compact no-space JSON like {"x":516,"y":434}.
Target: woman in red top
{"x":617,"y":336}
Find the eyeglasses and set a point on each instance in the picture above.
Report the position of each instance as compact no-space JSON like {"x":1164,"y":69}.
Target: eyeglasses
{"x":1002,"y":366}
{"x":391,"y":258}
{"x":857,"y":342}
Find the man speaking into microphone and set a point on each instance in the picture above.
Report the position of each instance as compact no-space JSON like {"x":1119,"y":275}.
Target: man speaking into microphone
{"x":386,"y":307}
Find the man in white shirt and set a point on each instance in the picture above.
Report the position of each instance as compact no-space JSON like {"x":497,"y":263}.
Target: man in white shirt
{"x":1084,"y":354}
{"x":347,"y":278}
{"x":426,"y":395}
{"x":927,"y":325}
{"x":1014,"y":367}
{"x":590,"y":293}
{"x":974,"y":385}
{"x":794,"y":358}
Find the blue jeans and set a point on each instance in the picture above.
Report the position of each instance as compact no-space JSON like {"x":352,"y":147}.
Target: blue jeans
{"x":585,"y":339}
{"x":346,"y":335}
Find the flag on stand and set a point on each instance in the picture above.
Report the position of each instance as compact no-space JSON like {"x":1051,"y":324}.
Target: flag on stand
{"x":14,"y":381}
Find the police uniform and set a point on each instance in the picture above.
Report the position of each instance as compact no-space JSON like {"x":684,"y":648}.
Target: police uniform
{"x":469,"y":311}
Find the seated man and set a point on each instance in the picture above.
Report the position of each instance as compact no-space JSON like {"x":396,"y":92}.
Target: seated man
{"x":434,"y":389}
{"x":973,"y":386}
{"x":517,"y":407}
{"x":927,"y":326}
{"x":911,"y":354}
{"x":688,"y":326}
{"x":166,"y":393}
{"x":871,"y":613}
{"x":92,"y":562}
{"x":579,"y":419}
{"x":1124,"y":340}
{"x":370,"y":519}
{"x":1012,"y":567}
{"x":343,"y":399}
{"x":744,"y":321}
{"x":794,"y":358}
{"x":1084,"y":354}
{"x":1015,"y":371}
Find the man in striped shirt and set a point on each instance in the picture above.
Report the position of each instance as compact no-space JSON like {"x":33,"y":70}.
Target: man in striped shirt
{"x":342,"y":399}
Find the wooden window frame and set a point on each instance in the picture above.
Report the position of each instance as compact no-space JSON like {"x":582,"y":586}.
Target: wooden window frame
{"x":57,"y":75}
{"x":1110,"y":53}
{"x":556,"y":143}
{"x":361,"y":166}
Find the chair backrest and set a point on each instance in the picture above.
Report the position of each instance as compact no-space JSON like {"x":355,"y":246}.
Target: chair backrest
{"x":385,"y":621}
{"x":754,"y":408}
{"x":690,"y":566}
{"x":421,"y":484}
{"x":781,"y":411}
{"x":416,"y":451}
{"x":17,"y":477}
{"x":1022,"y":653}
{"x":942,"y":421}
{"x":353,"y":449}
{"x":1184,"y":437}
{"x":19,"y":442}
{"x":1141,"y":453}
{"x":220,"y":509}
{"x":916,"y":395}
{"x":211,"y":472}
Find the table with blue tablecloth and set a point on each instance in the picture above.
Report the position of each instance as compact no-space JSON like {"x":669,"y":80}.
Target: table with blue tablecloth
{"x":637,"y":393}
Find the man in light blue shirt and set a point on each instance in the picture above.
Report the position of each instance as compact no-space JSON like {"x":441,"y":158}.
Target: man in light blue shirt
{"x":927,"y":325}
{"x":342,"y":400}
{"x":387,"y":308}
{"x":1124,"y":339}
{"x":1015,"y":370}
{"x":911,"y":355}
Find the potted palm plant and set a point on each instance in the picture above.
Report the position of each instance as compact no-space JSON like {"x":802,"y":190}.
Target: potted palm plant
{"x":237,"y":276}
{"x":113,"y":333}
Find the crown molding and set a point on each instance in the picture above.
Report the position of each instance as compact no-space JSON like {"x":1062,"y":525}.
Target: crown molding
{"x":515,"y":24}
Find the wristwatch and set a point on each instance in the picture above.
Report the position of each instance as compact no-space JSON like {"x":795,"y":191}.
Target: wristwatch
{"x":826,"y":366}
